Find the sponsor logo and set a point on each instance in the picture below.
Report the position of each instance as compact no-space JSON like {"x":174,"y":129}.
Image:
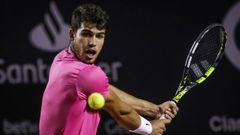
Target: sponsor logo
{"x":111,"y":69}
{"x":24,"y":127}
{"x":34,"y":73}
{"x":224,"y":124}
{"x":52,"y":35}
{"x":231,"y":22}
{"x":27,"y":73}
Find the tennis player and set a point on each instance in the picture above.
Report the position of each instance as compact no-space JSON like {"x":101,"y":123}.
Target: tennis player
{"x":73,"y":77}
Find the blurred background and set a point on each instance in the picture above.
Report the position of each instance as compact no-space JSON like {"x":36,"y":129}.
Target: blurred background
{"x":144,"y":54}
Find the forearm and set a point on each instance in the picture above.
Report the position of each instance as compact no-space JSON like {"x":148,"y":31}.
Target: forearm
{"x":128,"y":119}
{"x":143,"y":107}
{"x":123,"y":113}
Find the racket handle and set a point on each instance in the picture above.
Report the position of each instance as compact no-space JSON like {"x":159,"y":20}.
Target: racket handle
{"x":163,"y":116}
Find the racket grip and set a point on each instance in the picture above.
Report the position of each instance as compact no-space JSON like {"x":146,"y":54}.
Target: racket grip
{"x":163,"y":115}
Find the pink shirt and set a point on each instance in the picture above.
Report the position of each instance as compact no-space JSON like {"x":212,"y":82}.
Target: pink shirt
{"x":64,"y":104}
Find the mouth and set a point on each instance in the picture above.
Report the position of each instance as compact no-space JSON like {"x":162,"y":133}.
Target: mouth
{"x":91,"y":53}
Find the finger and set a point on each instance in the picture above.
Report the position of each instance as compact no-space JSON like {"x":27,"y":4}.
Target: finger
{"x":174,"y":107}
{"x":163,"y":128}
{"x":170,"y":114}
{"x":158,"y":115}
{"x":170,"y":106}
{"x":164,"y":106}
{"x":175,"y":111}
{"x":167,"y":116}
{"x":162,"y":109}
{"x":161,"y":131}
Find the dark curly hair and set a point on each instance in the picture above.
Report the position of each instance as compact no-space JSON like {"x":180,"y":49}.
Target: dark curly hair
{"x":90,"y":13}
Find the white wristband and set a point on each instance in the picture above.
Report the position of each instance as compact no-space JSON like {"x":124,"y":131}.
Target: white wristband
{"x":145,"y":128}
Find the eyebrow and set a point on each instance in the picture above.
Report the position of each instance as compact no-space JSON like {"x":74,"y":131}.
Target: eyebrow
{"x":86,"y":30}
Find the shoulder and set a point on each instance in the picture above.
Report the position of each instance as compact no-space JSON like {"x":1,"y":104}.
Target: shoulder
{"x":93,"y":79}
{"x":68,"y":61}
{"x":92,"y":72}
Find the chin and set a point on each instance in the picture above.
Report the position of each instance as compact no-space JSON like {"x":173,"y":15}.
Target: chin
{"x":90,"y":61}
{"x":87,"y":61}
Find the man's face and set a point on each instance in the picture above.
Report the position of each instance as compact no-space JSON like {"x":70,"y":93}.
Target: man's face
{"x":87,"y":42}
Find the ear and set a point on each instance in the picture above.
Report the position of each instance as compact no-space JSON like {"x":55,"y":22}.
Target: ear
{"x":71,"y":35}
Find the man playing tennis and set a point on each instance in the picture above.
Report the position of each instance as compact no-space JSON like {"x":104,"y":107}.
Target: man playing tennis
{"x":73,"y":77}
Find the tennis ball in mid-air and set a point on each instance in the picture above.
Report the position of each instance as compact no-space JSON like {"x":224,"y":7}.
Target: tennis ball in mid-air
{"x":96,"y":101}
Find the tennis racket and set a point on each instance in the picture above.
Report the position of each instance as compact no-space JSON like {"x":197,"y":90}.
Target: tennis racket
{"x":203,"y":58}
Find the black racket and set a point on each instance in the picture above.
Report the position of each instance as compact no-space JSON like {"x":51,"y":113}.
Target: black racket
{"x":203,"y":57}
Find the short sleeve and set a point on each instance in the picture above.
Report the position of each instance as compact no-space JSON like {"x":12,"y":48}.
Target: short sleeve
{"x":92,"y":79}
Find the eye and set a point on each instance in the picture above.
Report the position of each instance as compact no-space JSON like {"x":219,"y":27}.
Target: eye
{"x":86,"y":34}
{"x":100,"y":36}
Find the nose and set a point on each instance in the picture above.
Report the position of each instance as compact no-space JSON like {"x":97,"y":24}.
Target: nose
{"x":92,"y":41}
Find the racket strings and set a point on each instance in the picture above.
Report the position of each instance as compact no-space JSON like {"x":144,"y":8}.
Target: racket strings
{"x":206,"y":52}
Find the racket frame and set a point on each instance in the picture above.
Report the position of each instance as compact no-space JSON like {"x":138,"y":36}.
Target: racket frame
{"x":185,"y":84}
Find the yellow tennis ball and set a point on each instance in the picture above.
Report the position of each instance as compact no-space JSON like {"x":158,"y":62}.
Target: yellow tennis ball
{"x":96,"y":101}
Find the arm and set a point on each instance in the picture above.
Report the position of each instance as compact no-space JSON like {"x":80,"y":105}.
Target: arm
{"x":127,"y":117}
{"x":121,"y":112}
{"x":143,"y":107}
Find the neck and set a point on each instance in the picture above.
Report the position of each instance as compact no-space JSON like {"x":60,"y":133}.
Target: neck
{"x":70,"y":49}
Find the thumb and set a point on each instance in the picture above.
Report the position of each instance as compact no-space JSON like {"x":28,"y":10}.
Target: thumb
{"x":166,"y":121}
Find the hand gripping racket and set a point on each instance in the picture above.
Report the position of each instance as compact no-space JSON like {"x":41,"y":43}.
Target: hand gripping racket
{"x":203,"y":57}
